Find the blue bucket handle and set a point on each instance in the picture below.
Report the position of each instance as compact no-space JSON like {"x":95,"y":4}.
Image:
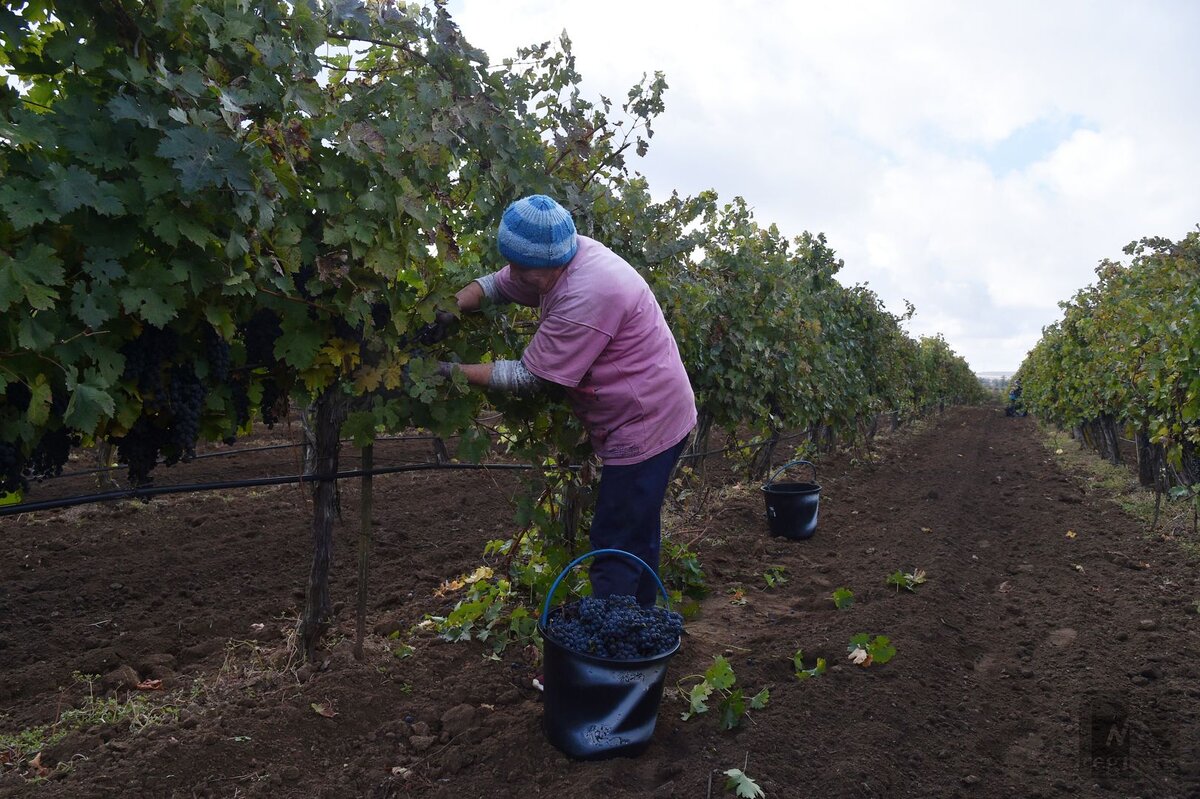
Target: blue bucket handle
{"x":585,"y":556}
{"x":792,"y":463}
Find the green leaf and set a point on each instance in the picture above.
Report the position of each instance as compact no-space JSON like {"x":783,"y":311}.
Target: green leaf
{"x":88,"y":403}
{"x":94,"y":304}
{"x":204,"y":159}
{"x":742,"y":785}
{"x":720,"y":674}
{"x":698,"y":699}
{"x":843,"y":598}
{"x":75,"y":187}
{"x":731,"y":710}
{"x":360,"y":426}
{"x":39,"y":405}
{"x":25,"y":204}
{"x":149,"y":304}
{"x":32,"y":334}
{"x":760,"y":699}
{"x":298,"y":347}
{"x":31,"y":277}
{"x":101,"y":265}
{"x":881,"y":649}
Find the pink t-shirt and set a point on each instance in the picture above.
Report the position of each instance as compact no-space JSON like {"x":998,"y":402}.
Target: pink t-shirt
{"x":603,"y":336}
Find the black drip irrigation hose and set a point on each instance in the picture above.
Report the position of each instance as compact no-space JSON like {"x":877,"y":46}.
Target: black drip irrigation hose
{"x":154,"y":491}
{"x":225,"y":454}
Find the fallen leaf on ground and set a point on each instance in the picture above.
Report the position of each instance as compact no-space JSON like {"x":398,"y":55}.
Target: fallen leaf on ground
{"x":150,"y":685}
{"x":37,"y":766}
{"x":1070,"y":533}
{"x":1078,"y":567}
{"x":322,"y":709}
{"x":1004,"y":587}
{"x":926,"y":530}
{"x":860,"y":656}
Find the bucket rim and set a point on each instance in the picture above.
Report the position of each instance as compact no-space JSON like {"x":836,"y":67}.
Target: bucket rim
{"x":805,"y":488}
{"x":611,"y":661}
{"x":789,"y":464}
{"x":604,"y":551}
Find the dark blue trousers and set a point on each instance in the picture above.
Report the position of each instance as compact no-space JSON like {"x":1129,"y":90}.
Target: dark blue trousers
{"x":629,"y":517}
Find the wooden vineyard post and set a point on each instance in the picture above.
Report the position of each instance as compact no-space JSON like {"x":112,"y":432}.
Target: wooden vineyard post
{"x":330,"y":412}
{"x":364,"y":549}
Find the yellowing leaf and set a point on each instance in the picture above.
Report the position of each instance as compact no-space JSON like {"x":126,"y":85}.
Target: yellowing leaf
{"x":368,"y":379}
{"x":322,"y":709}
{"x":341,"y":353}
{"x":1070,"y":533}
{"x":926,"y":530}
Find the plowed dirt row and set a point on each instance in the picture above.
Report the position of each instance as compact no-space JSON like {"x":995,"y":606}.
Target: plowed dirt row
{"x":1047,"y":617}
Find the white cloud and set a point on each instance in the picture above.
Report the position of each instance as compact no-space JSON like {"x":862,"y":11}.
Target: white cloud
{"x":976,"y":159}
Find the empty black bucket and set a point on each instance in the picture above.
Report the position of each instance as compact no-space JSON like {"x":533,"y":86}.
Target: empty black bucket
{"x":792,"y":507}
{"x":596,"y":707}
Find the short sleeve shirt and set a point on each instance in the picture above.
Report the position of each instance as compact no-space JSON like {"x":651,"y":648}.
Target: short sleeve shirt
{"x":602,"y":335}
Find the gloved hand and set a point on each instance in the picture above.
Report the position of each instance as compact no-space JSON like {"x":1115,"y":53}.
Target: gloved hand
{"x":445,"y":369}
{"x":442,"y":326}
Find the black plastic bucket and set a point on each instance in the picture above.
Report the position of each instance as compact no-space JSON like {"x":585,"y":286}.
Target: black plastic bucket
{"x":792,"y":507}
{"x":595,"y":707}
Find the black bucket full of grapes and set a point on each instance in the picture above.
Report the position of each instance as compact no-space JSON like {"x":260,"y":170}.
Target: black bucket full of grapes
{"x":792,"y":507}
{"x":605,"y":665}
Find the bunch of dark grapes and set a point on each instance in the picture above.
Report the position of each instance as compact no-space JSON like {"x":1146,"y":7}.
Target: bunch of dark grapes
{"x":51,"y":452}
{"x":304,"y":274}
{"x":268,"y":405}
{"x":138,"y":449}
{"x":616,"y":627}
{"x":260,"y":333}
{"x":17,"y":396}
{"x":216,"y":351}
{"x":145,"y":356}
{"x":381,"y":315}
{"x":187,"y":395}
{"x":241,"y":402}
{"x":12,"y":467}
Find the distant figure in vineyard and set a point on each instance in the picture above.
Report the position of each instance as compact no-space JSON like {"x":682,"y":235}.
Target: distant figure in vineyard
{"x":603,"y":338}
{"x":1014,"y":400}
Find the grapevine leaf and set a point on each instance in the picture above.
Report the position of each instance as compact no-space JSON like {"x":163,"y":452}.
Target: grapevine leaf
{"x":349,"y":10}
{"x":31,"y":277}
{"x":25,"y":204}
{"x":88,"y":403}
{"x":720,"y":674}
{"x":742,"y":785}
{"x":39,"y":405}
{"x":101,"y":265}
{"x":731,"y":710}
{"x":360,"y":426}
{"x":95,"y":304}
{"x":75,"y":187}
{"x":148,"y":303}
{"x":204,"y":159}
{"x":33,"y":334}
{"x":698,"y":699}
{"x":881,"y":649}
{"x":299,"y":347}
{"x":760,"y":699}
{"x":123,"y":107}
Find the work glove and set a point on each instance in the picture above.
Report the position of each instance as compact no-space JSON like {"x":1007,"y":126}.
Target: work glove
{"x":443,"y":325}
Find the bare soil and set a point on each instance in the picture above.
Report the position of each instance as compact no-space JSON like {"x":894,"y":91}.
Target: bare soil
{"x":1048,"y":617}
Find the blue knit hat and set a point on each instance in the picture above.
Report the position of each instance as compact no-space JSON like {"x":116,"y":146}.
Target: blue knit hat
{"x":536,"y":232}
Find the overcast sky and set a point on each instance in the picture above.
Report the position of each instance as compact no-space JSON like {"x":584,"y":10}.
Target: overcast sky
{"x":976,"y":159}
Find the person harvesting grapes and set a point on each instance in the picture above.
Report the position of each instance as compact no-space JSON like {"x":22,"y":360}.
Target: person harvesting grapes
{"x":603,"y":338}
